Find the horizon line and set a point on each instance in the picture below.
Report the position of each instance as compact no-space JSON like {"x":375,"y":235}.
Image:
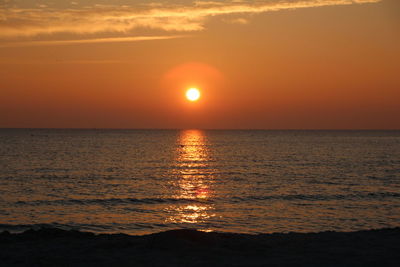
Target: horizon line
{"x":202,"y":129}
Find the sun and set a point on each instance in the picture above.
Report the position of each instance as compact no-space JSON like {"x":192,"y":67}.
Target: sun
{"x":193,"y":94}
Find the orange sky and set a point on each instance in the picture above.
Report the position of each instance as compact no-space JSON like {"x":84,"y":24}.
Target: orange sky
{"x":330,"y":64}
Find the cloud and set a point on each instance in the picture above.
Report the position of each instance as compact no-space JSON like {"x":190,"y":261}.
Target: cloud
{"x":51,"y":62}
{"x":89,"y":41}
{"x":242,"y":21}
{"x":24,"y":22}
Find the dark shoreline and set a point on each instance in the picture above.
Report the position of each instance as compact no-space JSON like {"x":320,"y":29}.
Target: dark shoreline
{"x":55,"y":247}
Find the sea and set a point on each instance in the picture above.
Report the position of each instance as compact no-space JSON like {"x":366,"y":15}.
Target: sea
{"x":243,"y":181}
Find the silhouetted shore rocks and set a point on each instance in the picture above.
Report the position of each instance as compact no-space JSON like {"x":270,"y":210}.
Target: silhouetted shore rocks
{"x":55,"y":247}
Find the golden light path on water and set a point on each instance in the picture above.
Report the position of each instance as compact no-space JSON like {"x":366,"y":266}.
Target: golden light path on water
{"x":193,"y":179}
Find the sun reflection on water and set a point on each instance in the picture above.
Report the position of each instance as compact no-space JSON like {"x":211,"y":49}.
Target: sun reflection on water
{"x":193,"y":179}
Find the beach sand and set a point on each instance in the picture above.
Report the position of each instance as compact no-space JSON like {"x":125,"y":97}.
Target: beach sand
{"x":55,"y":247}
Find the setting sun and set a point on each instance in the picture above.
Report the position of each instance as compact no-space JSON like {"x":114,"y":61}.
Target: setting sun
{"x":193,"y":94}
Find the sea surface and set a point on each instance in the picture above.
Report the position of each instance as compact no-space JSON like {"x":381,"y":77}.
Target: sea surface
{"x":250,"y":181}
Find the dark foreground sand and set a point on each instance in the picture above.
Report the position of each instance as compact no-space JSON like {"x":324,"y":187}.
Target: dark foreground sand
{"x":53,"y":247}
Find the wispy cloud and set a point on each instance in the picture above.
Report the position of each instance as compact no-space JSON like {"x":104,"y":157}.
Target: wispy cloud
{"x":20,"y":22}
{"x":58,"y":62}
{"x":89,"y":41}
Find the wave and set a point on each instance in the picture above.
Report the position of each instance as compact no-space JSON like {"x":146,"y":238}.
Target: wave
{"x":321,"y":197}
{"x":95,"y":228}
{"x":18,"y":228}
{"x":111,"y":201}
{"x":234,"y":199}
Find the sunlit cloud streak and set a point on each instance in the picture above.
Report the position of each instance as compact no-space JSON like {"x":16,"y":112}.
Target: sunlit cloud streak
{"x":89,"y":41}
{"x":20,"y":22}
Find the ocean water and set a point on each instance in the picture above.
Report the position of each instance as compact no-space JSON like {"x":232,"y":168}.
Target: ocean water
{"x":146,"y":181}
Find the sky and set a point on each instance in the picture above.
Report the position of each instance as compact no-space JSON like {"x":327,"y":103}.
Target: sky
{"x":272,"y":64}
